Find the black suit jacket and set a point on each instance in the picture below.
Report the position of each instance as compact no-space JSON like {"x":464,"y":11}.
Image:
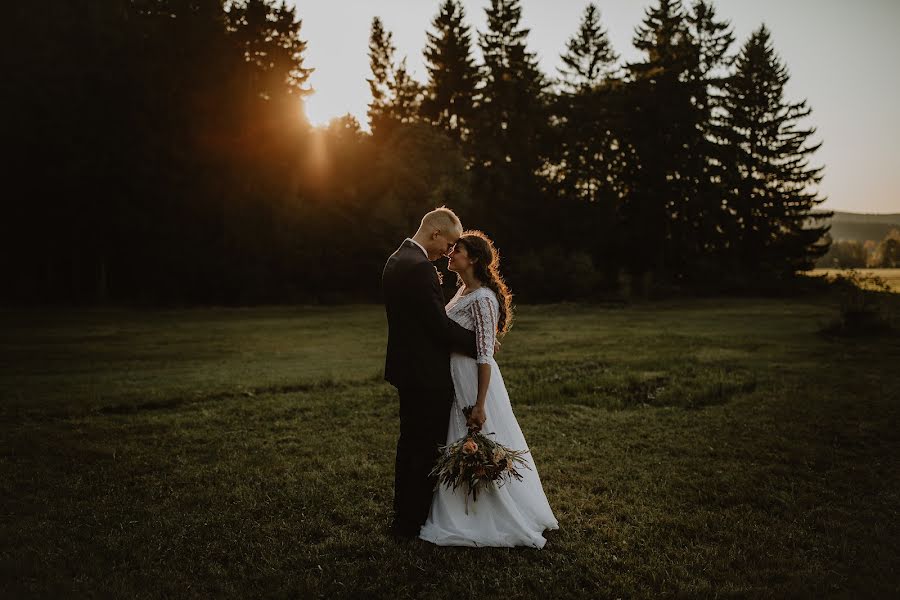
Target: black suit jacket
{"x":420,"y":334}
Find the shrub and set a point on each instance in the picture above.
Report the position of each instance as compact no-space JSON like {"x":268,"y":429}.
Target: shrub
{"x":861,"y":310}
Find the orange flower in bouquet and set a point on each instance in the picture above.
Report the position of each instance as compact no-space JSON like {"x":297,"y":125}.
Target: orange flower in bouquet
{"x":476,"y":462}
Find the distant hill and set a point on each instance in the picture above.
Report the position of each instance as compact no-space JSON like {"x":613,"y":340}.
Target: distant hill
{"x":862,"y":227}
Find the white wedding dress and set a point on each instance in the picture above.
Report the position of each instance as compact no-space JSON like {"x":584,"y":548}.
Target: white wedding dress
{"x":517,"y":512}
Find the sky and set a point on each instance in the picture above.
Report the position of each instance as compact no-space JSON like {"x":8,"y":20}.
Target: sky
{"x":842,"y":57}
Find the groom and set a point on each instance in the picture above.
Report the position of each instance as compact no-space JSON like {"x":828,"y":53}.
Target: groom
{"x":420,"y":339}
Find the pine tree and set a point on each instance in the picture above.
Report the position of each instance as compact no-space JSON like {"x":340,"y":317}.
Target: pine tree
{"x":396,"y":96}
{"x":662,"y":120}
{"x":589,"y":59}
{"x":510,"y":122}
{"x":408,"y":95}
{"x":679,"y":194}
{"x":769,"y":166}
{"x":586,"y":116}
{"x":270,"y":38}
{"x":452,"y":74}
{"x":712,"y":39}
{"x":664,"y":38}
{"x":381,"y":84}
{"x":704,"y":221}
{"x":586,"y":156}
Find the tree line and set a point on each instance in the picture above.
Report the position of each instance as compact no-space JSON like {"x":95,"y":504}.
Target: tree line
{"x":161,"y":156}
{"x":854,"y":254}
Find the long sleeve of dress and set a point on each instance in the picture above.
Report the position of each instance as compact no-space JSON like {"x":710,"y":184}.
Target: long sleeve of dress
{"x":486,"y":313}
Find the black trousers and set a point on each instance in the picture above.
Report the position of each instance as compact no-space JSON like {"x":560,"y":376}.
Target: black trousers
{"x":424,"y":418}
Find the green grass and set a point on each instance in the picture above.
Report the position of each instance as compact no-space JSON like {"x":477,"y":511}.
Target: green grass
{"x":688,"y":449}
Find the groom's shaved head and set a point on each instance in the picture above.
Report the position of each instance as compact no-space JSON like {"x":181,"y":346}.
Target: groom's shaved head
{"x":444,"y":219}
{"x":438,"y":232}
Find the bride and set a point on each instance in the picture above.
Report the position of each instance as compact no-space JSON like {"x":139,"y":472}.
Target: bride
{"x":516,"y":513}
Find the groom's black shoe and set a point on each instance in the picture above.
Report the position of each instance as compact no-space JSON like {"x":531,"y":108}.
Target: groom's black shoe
{"x":401,"y":531}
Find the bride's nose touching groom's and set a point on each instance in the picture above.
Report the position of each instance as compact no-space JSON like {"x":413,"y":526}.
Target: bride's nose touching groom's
{"x":440,"y":357}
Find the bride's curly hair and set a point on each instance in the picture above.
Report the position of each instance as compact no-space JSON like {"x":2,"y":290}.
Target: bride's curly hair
{"x":486,"y":259}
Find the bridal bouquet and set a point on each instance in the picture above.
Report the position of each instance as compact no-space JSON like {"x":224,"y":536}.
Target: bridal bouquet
{"x":477,"y":461}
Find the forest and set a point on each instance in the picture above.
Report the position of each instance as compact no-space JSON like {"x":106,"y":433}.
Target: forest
{"x":162,"y":157}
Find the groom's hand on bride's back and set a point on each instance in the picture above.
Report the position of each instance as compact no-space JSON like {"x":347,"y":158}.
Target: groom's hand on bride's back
{"x":497,"y":345}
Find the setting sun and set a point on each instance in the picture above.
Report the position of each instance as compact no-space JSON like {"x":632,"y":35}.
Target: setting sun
{"x":320,"y":109}
{"x":317,"y":111}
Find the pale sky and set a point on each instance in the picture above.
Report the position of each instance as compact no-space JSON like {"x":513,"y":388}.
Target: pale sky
{"x":842,"y":57}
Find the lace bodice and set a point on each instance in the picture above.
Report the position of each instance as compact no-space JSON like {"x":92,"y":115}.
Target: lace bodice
{"x":478,"y":311}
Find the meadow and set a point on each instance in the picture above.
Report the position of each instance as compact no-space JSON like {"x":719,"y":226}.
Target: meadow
{"x":693,"y":449}
{"x":891,"y":277}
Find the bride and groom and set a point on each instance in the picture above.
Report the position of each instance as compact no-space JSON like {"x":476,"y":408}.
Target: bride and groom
{"x":440,"y":357}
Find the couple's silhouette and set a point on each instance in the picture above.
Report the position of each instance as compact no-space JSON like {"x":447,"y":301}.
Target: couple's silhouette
{"x":440,"y":357}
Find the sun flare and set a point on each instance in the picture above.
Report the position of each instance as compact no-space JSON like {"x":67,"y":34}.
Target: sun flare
{"x":321,"y":110}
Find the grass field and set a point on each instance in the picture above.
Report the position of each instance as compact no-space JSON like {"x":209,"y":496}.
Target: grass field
{"x":710,"y":448}
{"x":890,"y":276}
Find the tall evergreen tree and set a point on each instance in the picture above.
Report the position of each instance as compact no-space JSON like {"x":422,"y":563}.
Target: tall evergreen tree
{"x":270,"y":38}
{"x":452,"y":74}
{"x":703,"y":221}
{"x":662,"y":118}
{"x":381,"y":84}
{"x":509,"y":125}
{"x":712,"y":39}
{"x":396,"y":96}
{"x":774,"y":186}
{"x":408,"y":95}
{"x":267,"y":94}
{"x":585,"y":147}
{"x":589,"y":59}
{"x":585,"y":160}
